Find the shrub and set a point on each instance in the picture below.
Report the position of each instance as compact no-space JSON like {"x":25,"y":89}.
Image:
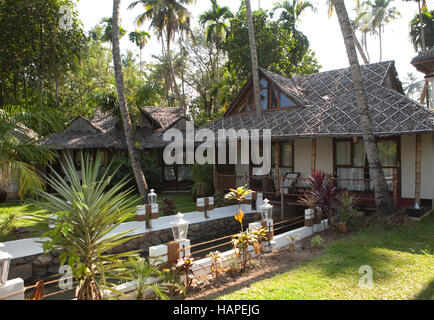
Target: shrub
{"x":6,"y":224}
{"x":202,"y":175}
{"x":347,"y":212}
{"x":317,"y":242}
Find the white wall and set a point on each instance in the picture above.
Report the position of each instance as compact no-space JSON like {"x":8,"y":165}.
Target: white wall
{"x":324,"y":155}
{"x":408,"y":158}
{"x":302,"y":156}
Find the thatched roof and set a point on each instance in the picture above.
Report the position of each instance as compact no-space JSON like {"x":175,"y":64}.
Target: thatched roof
{"x":424,"y":62}
{"x":327,"y":106}
{"x":104,"y":131}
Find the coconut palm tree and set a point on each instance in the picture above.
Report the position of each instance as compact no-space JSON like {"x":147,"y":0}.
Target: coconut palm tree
{"x":382,"y":13}
{"x":167,"y":18}
{"x":107,"y":32}
{"x":253,"y":56}
{"x":413,"y":86}
{"x":123,"y":107}
{"x":330,"y":9}
{"x":291,"y":11}
{"x":422,"y":7}
{"x":383,"y":199}
{"x":216,"y":28}
{"x":140,"y":38}
{"x":363,"y":23}
{"x":422,"y":38}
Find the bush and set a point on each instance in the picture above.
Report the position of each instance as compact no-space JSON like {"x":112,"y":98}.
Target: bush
{"x":202,"y":175}
{"x":317,"y":242}
{"x":151,"y":172}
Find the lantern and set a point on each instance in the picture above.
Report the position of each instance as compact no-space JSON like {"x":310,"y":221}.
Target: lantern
{"x":266,"y":210}
{"x":152,"y":197}
{"x":5,"y":260}
{"x":180,"y":228}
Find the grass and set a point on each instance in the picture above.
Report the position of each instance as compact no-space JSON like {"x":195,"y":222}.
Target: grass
{"x":23,"y":213}
{"x":402,"y":261}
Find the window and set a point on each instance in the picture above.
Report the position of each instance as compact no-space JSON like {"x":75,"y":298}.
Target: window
{"x":286,"y":163}
{"x":274,"y":99}
{"x":285,"y":102}
{"x":264,"y":94}
{"x":250,"y":103}
{"x":351,"y":163}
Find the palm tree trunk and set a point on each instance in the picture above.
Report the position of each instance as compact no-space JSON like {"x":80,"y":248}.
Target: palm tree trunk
{"x":383,"y":199}
{"x":218,"y":77}
{"x":359,"y":47}
{"x":126,"y":121}
{"x":253,"y":57}
{"x":381,"y":44}
{"x":422,"y":32}
{"x":172,"y":71}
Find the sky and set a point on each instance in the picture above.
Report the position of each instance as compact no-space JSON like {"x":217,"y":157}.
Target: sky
{"x":324,"y":33}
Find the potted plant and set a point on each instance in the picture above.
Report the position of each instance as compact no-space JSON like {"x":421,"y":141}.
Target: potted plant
{"x":309,"y":199}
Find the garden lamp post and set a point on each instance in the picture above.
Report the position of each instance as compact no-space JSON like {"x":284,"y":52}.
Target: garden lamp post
{"x":266,"y":210}
{"x":180,"y":231}
{"x":5,"y":260}
{"x":152,"y":197}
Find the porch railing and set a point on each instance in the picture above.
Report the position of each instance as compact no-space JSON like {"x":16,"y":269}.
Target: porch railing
{"x":271,"y":187}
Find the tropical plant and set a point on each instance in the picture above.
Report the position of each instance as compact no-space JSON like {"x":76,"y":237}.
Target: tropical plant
{"x":107,"y":30}
{"x":413,"y":86}
{"x":421,"y":4}
{"x":309,"y":199}
{"x":347,"y":212}
{"x":20,"y":152}
{"x":216,"y":29}
{"x":382,"y":13}
{"x":216,"y":262}
{"x":139,"y":38}
{"x":85,"y":210}
{"x":142,"y":185}
{"x":166,"y":18}
{"x":317,"y":242}
{"x":238,"y":195}
{"x":183,"y":267}
{"x":6,"y":224}
{"x":241,"y":243}
{"x":202,"y":175}
{"x":149,"y":280}
{"x":422,"y":39}
{"x":383,"y":199}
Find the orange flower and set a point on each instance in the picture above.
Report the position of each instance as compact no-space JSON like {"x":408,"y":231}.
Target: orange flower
{"x":239,"y":216}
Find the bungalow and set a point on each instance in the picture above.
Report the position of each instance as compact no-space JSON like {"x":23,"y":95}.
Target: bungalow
{"x":103,"y":133}
{"x":315,"y":125}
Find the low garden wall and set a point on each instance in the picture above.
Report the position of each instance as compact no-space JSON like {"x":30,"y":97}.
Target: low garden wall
{"x":34,"y":267}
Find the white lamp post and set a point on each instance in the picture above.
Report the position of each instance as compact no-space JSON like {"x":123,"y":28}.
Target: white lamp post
{"x":5,"y":260}
{"x":180,"y":228}
{"x":266,"y":210}
{"x":152,"y":197}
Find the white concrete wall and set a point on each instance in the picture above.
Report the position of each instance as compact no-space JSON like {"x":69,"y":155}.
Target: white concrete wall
{"x":408,"y":159}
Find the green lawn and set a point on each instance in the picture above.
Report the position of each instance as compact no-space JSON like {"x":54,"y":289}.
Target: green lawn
{"x":402,"y":262}
{"x":183,"y":202}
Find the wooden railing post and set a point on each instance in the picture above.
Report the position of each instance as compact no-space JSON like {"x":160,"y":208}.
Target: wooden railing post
{"x":395,"y":188}
{"x":282,"y":198}
{"x":245,"y":180}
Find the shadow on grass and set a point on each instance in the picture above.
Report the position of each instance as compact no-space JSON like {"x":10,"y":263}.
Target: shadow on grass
{"x":427,"y":293}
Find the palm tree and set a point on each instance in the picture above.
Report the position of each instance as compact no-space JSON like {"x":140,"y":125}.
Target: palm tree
{"x":363,"y":23}
{"x":20,"y":152}
{"x":413,"y":86}
{"x":126,"y":121}
{"x":107,"y":32}
{"x":253,"y":56}
{"x":167,"y":18}
{"x":383,"y":199}
{"x":382,"y":13}
{"x":421,"y":21}
{"x":216,"y":28}
{"x":422,"y":39}
{"x":85,"y":211}
{"x":291,"y":11}
{"x":330,"y":6}
{"x":140,"y":38}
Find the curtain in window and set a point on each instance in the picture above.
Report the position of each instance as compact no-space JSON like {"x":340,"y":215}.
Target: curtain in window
{"x":286,"y":154}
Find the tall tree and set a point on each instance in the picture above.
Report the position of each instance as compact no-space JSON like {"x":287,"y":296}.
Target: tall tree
{"x":216,"y":29}
{"x":253,"y":57}
{"x":422,"y":35}
{"x":140,"y":38}
{"x":363,"y":23}
{"x":107,"y":34}
{"x":167,"y":18}
{"x":126,"y":121}
{"x":382,"y":13}
{"x":383,"y":199}
{"x":421,"y":4}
